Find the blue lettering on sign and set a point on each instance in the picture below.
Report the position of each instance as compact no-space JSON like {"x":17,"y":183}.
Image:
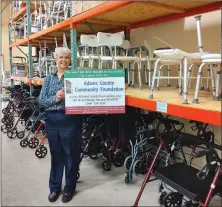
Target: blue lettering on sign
{"x":161,"y":107}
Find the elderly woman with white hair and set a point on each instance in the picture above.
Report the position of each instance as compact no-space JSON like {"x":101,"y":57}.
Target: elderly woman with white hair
{"x":63,"y":131}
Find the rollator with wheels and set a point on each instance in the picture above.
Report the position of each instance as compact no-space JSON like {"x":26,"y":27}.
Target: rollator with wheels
{"x":199,"y":186}
{"x":36,"y":118}
{"x":24,"y":111}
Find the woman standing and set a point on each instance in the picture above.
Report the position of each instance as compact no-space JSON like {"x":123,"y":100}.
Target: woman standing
{"x":63,"y":131}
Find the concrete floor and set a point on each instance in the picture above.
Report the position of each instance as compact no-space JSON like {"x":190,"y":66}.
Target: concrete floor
{"x":25,"y":182}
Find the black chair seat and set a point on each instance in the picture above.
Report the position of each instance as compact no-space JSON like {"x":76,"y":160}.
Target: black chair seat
{"x":183,"y":178}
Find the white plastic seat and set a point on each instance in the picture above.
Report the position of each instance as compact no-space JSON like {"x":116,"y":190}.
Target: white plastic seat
{"x":108,"y":40}
{"x":181,"y":58}
{"x":87,"y":42}
{"x":177,"y":54}
{"x":209,"y":59}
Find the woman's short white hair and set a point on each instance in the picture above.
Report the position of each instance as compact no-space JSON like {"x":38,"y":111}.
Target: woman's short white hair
{"x":61,"y":49}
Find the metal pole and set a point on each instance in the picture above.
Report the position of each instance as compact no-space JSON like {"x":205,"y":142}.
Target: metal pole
{"x":29,"y":45}
{"x":74,"y":46}
{"x":10,"y":56}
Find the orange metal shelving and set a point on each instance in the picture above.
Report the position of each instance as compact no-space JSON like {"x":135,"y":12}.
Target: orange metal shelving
{"x":106,"y":12}
{"x":110,"y":8}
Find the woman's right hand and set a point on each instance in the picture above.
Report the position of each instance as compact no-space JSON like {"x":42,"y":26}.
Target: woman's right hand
{"x":60,"y":95}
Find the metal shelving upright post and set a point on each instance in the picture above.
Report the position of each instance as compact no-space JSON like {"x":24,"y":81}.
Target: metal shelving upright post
{"x":28,"y":4}
{"x":10,"y":56}
{"x":73,"y":40}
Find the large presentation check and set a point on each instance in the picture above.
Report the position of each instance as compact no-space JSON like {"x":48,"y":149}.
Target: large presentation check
{"x":93,"y":91}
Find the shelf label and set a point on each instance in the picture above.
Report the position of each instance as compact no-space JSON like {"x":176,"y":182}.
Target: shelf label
{"x":161,"y":107}
{"x":95,"y":91}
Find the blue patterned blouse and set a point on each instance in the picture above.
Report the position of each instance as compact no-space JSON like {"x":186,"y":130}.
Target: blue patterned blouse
{"x":47,"y":97}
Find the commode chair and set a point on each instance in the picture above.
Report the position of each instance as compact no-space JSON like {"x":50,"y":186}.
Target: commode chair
{"x":108,"y":40}
{"x":178,"y":57}
{"x":132,"y":55}
{"x":207,"y":59}
{"x":89,"y":45}
{"x":142,"y":53}
{"x":167,"y":63}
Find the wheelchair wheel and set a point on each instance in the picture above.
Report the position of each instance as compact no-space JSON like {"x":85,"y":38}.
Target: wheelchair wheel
{"x":173,"y":199}
{"x":12,"y":133}
{"x":33,"y":143}
{"x":24,"y":143}
{"x":119,"y":159}
{"x":106,"y":165}
{"x":41,"y":152}
{"x":21,"y":134}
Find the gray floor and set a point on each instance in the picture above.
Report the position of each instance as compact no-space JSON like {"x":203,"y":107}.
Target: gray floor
{"x":25,"y":182}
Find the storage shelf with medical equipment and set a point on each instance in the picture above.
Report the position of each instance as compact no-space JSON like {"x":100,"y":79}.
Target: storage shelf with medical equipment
{"x":95,"y":40}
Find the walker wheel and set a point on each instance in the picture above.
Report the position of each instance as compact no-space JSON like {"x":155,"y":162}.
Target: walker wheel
{"x":119,"y":159}
{"x":137,"y":167}
{"x":12,"y":133}
{"x":33,"y":143}
{"x":127,"y":162}
{"x":173,"y":199}
{"x":4,"y":129}
{"x":78,"y":176}
{"x":3,"y":120}
{"x":41,"y":152}
{"x":93,"y":156}
{"x":190,"y":204}
{"x":106,"y":166}
{"x":4,"y":110}
{"x":10,"y":120}
{"x":143,"y":169}
{"x":21,"y":134}
{"x":161,"y":198}
{"x":9,"y":126}
{"x":24,"y":143}
{"x":127,"y":178}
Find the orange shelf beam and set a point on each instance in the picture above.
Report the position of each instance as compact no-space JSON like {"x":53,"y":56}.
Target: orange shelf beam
{"x":19,"y":42}
{"x":190,"y":113}
{"x":185,"y":112}
{"x":110,"y":6}
{"x":37,"y":81}
{"x":23,"y":79}
{"x":20,"y":13}
{"x":53,"y":28}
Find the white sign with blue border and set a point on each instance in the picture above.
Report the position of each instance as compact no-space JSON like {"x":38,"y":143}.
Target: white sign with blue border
{"x":161,"y":107}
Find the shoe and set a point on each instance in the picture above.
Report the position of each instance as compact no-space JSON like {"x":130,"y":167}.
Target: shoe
{"x":66,"y":197}
{"x":53,"y":196}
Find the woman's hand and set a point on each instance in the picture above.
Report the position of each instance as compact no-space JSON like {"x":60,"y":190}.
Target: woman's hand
{"x":60,"y":95}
